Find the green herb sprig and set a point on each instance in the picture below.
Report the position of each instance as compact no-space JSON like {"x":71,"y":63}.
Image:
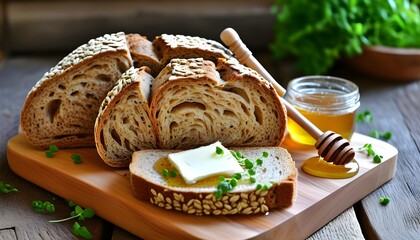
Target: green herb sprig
{"x":385,"y":135}
{"x":7,"y":188}
{"x":365,"y":116}
{"x":172,"y":173}
{"x":51,"y":150}
{"x":40,"y":206}
{"x":79,"y":213}
{"x":81,"y":231}
{"x":370,"y":152}
{"x":384,"y":200}
{"x":76,"y":158}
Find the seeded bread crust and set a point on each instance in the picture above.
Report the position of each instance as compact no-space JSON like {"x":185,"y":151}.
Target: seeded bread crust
{"x":149,"y":185}
{"x":170,"y":46}
{"x":62,"y":107}
{"x":123,"y":124}
{"x":143,"y":53}
{"x":194,"y":104}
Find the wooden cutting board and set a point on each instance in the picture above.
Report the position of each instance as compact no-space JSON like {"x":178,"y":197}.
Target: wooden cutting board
{"x":107,"y":190}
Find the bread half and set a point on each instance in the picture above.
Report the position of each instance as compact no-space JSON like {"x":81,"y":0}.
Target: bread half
{"x":62,"y":107}
{"x":278,"y":171}
{"x":123,"y":124}
{"x":195,"y":103}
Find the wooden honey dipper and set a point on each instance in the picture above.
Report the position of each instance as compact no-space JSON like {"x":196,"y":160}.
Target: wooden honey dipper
{"x":331,"y":146}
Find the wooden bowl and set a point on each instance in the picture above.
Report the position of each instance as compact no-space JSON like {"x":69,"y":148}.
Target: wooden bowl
{"x":391,"y":64}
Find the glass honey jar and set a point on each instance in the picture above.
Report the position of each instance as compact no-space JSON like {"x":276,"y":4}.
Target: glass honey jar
{"x":330,"y":103}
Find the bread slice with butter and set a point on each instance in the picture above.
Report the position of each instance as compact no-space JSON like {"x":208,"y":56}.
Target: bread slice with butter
{"x":278,"y":171}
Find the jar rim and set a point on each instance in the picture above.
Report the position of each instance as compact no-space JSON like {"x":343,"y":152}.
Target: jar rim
{"x":323,"y":93}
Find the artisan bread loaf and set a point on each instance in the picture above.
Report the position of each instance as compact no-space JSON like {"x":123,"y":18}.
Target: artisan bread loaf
{"x":170,"y":46}
{"x":277,"y":172}
{"x":194,"y":103}
{"x":123,"y":124}
{"x":62,"y":107}
{"x":143,"y":53}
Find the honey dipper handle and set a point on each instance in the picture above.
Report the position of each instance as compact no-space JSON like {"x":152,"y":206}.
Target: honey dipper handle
{"x":231,"y":39}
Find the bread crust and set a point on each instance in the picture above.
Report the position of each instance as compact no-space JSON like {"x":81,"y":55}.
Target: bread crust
{"x":201,"y":201}
{"x":49,"y":115}
{"x":170,"y":46}
{"x":143,"y":53}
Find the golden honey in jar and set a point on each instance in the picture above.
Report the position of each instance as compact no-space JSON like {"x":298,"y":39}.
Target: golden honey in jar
{"x":330,"y":103}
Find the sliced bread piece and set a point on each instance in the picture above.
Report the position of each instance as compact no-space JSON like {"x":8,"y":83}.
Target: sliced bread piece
{"x":170,"y":46}
{"x":277,"y":172}
{"x":123,"y":124}
{"x":62,"y":107}
{"x":143,"y":53}
{"x":193,"y":105}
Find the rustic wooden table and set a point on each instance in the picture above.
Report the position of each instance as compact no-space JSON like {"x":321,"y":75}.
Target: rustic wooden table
{"x":396,"y":108}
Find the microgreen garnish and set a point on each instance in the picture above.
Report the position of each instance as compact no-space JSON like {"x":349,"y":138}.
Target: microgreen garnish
{"x":227,"y":184}
{"x":40,"y":206}
{"x":71,"y":204}
{"x":385,"y":135}
{"x":251,"y":172}
{"x":238,"y":176}
{"x":173,"y":173}
{"x":51,"y":150}
{"x":6,"y":188}
{"x":248,"y":163}
{"x":79,"y":213}
{"x":219,"y":151}
{"x":252,"y":180}
{"x":165,"y":172}
{"x":384,"y":200}
{"x":370,"y":152}
{"x":76,"y":158}
{"x":365,"y":116}
{"x":81,"y":231}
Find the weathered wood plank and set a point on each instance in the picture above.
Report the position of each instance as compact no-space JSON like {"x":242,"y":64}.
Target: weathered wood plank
{"x":50,"y":26}
{"x":8,"y":234}
{"x":396,"y":109}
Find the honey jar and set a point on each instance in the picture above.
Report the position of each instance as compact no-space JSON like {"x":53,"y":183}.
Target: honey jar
{"x":330,"y":103}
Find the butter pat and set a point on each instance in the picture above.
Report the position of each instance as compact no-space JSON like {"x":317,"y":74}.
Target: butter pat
{"x":203,"y":162}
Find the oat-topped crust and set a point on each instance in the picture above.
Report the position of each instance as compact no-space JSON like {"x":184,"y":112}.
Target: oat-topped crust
{"x":176,"y":41}
{"x":105,"y":43}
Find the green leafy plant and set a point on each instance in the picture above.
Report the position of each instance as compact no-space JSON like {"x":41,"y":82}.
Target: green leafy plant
{"x":317,"y":33}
